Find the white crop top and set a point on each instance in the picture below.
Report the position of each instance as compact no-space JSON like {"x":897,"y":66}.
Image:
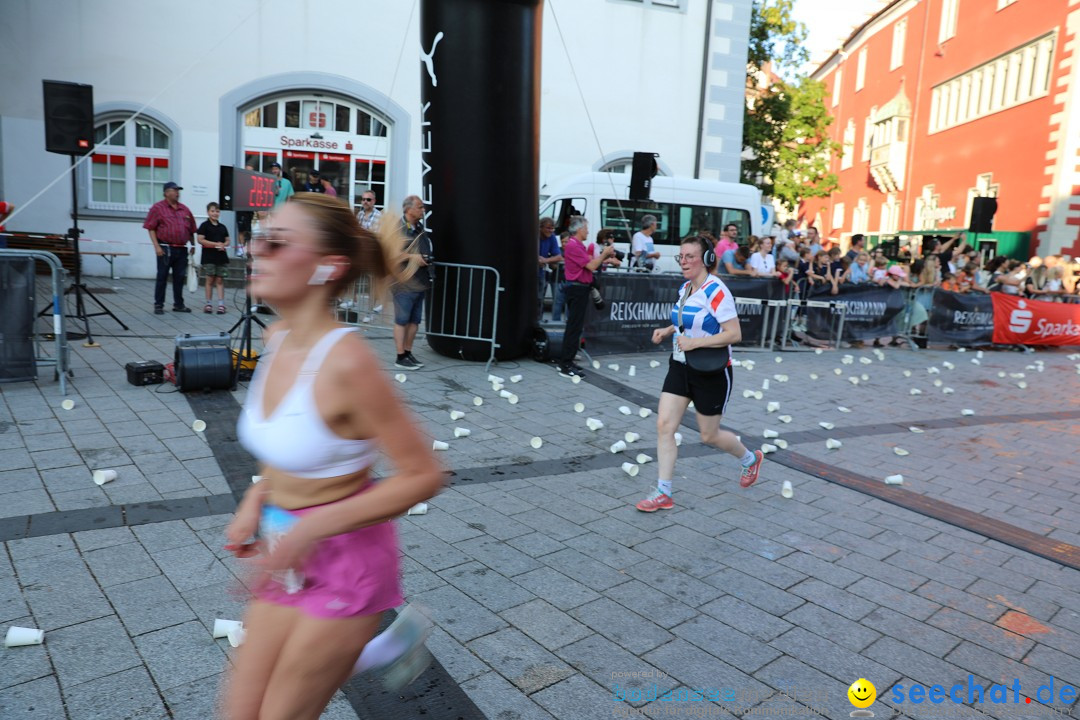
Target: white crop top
{"x":295,"y":439}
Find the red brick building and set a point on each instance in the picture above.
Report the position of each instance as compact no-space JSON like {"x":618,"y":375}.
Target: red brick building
{"x":940,"y":101}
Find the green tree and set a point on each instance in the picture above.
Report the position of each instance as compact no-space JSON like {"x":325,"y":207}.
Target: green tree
{"x":785,"y":123}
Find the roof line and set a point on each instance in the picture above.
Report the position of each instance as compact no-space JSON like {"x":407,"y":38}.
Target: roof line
{"x":869,"y":21}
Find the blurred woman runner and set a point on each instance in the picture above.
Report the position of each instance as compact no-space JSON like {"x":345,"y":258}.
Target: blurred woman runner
{"x":708,"y":320}
{"x":317,"y":409}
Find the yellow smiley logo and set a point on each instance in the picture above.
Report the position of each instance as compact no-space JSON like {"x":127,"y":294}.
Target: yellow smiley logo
{"x":862,"y":693}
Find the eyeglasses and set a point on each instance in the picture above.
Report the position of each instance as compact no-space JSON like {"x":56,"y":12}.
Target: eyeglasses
{"x":687,"y":258}
{"x":367,"y":199}
{"x":268,"y":243}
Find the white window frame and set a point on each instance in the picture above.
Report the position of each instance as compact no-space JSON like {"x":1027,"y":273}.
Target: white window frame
{"x":860,"y":217}
{"x":868,"y":134}
{"x":1021,"y":75}
{"x":132,"y":156}
{"x":838,"y":79}
{"x":950,"y":11}
{"x":838,"y":217}
{"x":860,"y":70}
{"x":899,"y":39}
{"x":848,"y":145}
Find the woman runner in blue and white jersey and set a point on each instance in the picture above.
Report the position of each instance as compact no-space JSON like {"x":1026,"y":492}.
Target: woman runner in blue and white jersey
{"x":703,"y":317}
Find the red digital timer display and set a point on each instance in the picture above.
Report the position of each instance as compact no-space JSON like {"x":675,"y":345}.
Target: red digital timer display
{"x":246,"y":190}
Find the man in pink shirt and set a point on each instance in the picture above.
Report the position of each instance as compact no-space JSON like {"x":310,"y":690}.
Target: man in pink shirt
{"x":729,"y":240}
{"x":580,"y":265}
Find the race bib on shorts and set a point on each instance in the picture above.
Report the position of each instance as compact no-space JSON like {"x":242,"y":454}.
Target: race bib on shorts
{"x":275,"y":523}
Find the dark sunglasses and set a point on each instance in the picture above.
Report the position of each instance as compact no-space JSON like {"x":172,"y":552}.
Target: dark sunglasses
{"x":267,"y":243}
{"x":367,"y":199}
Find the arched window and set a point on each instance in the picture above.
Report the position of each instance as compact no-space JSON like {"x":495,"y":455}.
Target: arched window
{"x":131,"y":163}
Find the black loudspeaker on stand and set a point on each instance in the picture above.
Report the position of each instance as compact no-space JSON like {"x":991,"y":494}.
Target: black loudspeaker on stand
{"x":642,"y":172}
{"x":982,"y":214}
{"x":243,"y":356}
{"x":69,"y":130}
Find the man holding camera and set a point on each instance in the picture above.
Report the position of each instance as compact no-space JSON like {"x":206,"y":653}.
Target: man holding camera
{"x":580,"y":266}
{"x":409,"y":296}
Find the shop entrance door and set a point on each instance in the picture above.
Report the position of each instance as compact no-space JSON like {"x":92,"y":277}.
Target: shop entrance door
{"x":298,"y":167}
{"x":335,"y":168}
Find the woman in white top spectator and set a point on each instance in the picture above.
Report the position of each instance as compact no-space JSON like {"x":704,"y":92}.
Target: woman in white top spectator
{"x":762,"y":262}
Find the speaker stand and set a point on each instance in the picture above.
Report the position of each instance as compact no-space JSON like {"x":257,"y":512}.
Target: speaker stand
{"x":78,"y":287}
{"x":244,"y":324}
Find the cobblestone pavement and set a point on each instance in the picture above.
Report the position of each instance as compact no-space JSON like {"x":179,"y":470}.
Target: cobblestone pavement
{"x":551,"y":594}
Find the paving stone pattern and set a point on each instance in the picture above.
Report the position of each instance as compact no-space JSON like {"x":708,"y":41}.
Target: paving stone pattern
{"x":551,"y":595}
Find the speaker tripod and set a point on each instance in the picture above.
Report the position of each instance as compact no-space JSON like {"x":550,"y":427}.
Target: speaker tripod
{"x":243,"y":353}
{"x":78,"y":287}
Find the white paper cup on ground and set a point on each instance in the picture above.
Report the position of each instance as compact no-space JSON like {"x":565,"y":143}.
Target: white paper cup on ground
{"x":21,"y":636}
{"x":579,"y":407}
{"x":642,"y":458}
{"x":818,"y":351}
{"x":596,"y":364}
{"x":440,"y":445}
{"x":614,"y":367}
{"x":631,"y":469}
{"x":515,"y":378}
{"x":784,"y":418}
{"x":786,"y":490}
{"x":401,"y":377}
{"x":103,"y":476}
{"x":770,"y":433}
{"x":766,"y":448}
{"x":460,"y":432}
{"x":781,"y":443}
{"x":826,"y":425}
{"x":222,"y":627}
{"x":654,"y":363}
{"x":625,"y":410}
{"x":900,"y":451}
{"x":576,"y":379}
{"x":813,"y":376}
{"x":236,"y":637}
{"x":967,"y":411}
{"x":456,"y":414}
{"x":758,"y":395}
{"x":198,"y":425}
{"x":418,"y":509}
{"x":772,"y":406}
{"x":536,"y":443}
{"x":256,"y":478}
{"x":644,"y":412}
{"x":505,"y":393}
{"x":593,"y":424}
{"x":765,"y":384}
{"x":914,"y":429}
{"x":894,"y":480}
{"x":832,"y":444}
{"x":495,"y":379}
{"x":632,"y":372}
{"x":478,"y":401}
{"x":631,"y":437}
{"x":843,"y":409}
{"x":68,"y":404}
{"x":496,"y":387}
{"x":618,"y":446}
{"x":748,"y":394}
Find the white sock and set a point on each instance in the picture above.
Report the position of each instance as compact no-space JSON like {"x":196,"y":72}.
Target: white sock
{"x":664,"y":486}
{"x":383,"y":649}
{"x":748,"y":459}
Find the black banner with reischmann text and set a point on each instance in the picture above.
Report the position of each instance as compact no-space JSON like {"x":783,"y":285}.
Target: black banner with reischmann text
{"x":635,"y":304}
{"x":871,"y":313}
{"x":961,"y":319}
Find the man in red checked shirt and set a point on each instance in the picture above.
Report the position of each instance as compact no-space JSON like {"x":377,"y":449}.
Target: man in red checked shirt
{"x":172,"y":229}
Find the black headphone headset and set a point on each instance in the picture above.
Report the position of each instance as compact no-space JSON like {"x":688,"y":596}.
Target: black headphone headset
{"x":708,"y":255}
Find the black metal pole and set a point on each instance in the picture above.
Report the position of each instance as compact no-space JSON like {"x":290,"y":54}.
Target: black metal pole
{"x":80,"y":308}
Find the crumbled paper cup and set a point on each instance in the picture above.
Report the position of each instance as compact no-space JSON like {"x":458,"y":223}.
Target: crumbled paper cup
{"x":758,"y":395}
{"x":948,"y":365}
{"x":236,"y":637}
{"x":833,"y":444}
{"x":505,"y":393}
{"x":222,"y":627}
{"x":614,"y":367}
{"x":401,"y":377}
{"x":781,"y":443}
{"x":478,"y":401}
{"x":947,"y":390}
{"x":865,"y":377}
{"x":617,"y":446}
{"x":976,"y":361}
{"x":866,"y":361}
{"x":907,"y":373}
{"x":900,"y":451}
{"x":818,"y":351}
{"x":843,"y":409}
{"x":644,"y":412}
{"x":1022,"y":385}
{"x":21,"y":636}
{"x":770,"y":433}
{"x":642,"y":458}
{"x":786,"y":490}
{"x":579,"y":407}
{"x":256,"y":478}
{"x":773,"y":406}
{"x":596,"y":364}
{"x":813,"y":376}
{"x":515,"y":378}
{"x":938,"y":383}
{"x":961,"y":349}
{"x":915,"y":391}
{"x":593,"y":424}
{"x":894,"y":480}
{"x":198,"y":426}
{"x":748,"y":393}
{"x":654,"y":363}
{"x":625,"y":410}
{"x":784,"y":418}
{"x":496,"y":387}
{"x":837,"y":371}
{"x":678,"y":439}
{"x":537,"y":443}
{"x":779,"y":377}
{"x":847,"y":359}
{"x":853,"y":380}
{"x":440,"y":445}
{"x":826,"y":425}
{"x":778,"y":359}
{"x":68,"y":404}
{"x":418,"y":509}
{"x":460,"y":432}
{"x":766,"y":448}
{"x":631,"y":437}
{"x":933,"y":370}
{"x":967,"y":411}
{"x":456,"y":414}
{"x":1001,"y":374}
{"x":916,"y":430}
{"x":103,"y":476}
{"x":495,"y":379}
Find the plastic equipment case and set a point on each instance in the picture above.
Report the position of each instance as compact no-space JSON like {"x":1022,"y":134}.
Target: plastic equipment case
{"x":145,"y":372}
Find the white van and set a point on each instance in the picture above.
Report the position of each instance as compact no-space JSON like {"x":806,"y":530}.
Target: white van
{"x":682,"y":207}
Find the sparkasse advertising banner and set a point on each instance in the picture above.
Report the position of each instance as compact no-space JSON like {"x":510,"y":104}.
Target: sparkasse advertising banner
{"x":1018,"y":321}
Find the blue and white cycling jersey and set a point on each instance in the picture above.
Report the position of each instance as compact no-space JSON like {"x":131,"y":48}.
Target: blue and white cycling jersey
{"x":704,"y":310}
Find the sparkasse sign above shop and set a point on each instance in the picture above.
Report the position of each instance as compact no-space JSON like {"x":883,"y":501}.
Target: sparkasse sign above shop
{"x":307,"y":142}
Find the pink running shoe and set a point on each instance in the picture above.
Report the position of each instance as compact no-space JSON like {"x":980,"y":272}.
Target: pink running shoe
{"x":749,"y":474}
{"x":656,"y":501}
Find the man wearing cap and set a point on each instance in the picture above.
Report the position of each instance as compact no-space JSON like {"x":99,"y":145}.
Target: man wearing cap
{"x":314,"y":182}
{"x":172,"y":228}
{"x":283,"y":189}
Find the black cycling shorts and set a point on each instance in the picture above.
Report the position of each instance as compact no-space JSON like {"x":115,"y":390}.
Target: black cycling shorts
{"x":710,"y":392}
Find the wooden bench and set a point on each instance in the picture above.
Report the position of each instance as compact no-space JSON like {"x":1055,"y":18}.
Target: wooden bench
{"x":58,"y":245}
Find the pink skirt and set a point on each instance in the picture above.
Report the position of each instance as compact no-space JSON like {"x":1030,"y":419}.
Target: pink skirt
{"x":355,"y":573}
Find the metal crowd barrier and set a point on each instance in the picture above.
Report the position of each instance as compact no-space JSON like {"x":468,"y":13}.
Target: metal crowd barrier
{"x":61,"y":361}
{"x":362,"y":305}
{"x":472,"y":313}
{"x":836,"y":309}
{"x":911,"y":327}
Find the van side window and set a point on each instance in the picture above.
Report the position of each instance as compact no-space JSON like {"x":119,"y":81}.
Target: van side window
{"x":696,"y":219}
{"x":624,"y":217}
{"x":562,"y":209}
